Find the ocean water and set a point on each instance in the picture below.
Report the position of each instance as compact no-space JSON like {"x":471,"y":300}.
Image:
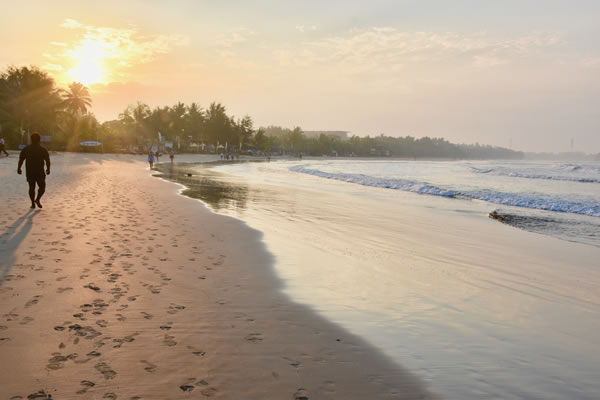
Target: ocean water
{"x":519,"y":191}
{"x":405,"y":255}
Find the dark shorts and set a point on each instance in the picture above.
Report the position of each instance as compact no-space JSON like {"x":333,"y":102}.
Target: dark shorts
{"x":39,"y":179}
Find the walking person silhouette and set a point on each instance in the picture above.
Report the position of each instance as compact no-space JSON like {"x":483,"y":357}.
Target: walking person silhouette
{"x":34,"y":156}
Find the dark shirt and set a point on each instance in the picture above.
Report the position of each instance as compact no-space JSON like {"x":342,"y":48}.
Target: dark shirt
{"x":34,"y":156}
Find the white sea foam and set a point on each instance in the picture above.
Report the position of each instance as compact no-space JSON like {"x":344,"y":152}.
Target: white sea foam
{"x":517,"y":174}
{"x":590,"y":169}
{"x":527,"y":200}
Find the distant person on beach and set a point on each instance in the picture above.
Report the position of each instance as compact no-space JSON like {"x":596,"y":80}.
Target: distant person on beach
{"x":151,"y":159}
{"x":2,"y":149}
{"x":34,"y":156}
{"x":171,"y":156}
{"x":157,"y":155}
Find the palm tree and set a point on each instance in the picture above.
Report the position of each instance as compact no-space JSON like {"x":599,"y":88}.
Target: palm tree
{"x":77,"y":99}
{"x":194,"y":122}
{"x":217,"y":123}
{"x":28,"y":100}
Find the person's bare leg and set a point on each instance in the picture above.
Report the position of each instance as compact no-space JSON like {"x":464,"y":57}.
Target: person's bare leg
{"x":32,"y":192}
{"x":41,"y":191}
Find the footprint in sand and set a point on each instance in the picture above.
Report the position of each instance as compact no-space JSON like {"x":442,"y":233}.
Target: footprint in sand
{"x":254,"y":337}
{"x":58,"y":360}
{"x":301,"y":394}
{"x":39,"y":395}
{"x":174,"y":308}
{"x":110,"y":396}
{"x":102,"y":323}
{"x":62,"y":290}
{"x":80,"y":316}
{"x":197,"y":352}
{"x":192,"y":383}
{"x":293,"y":363}
{"x":168,"y":340}
{"x":86,"y":385}
{"x":146,"y":315}
{"x":106,"y":371}
{"x":167,"y":326}
{"x":149,"y":367}
{"x":33,"y":301}
{"x":92,"y":286}
{"x":126,"y":339}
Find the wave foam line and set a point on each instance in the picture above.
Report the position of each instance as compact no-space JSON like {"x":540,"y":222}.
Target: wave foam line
{"x":515,"y":174}
{"x":510,"y":199}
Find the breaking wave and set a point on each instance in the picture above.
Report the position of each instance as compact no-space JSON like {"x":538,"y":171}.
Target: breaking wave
{"x":526,"y":200}
{"x":516,"y":174}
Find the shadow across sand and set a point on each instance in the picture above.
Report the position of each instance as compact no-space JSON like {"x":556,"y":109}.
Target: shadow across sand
{"x":12,"y":238}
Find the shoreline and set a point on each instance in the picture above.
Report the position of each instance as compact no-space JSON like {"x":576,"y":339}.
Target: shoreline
{"x":448,"y":283}
{"x":155,"y":298}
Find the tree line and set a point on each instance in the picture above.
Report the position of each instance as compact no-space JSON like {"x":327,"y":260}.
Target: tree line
{"x":294,"y":141}
{"x":31,"y":101}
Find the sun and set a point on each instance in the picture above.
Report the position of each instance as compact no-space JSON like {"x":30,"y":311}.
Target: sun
{"x":89,"y":63}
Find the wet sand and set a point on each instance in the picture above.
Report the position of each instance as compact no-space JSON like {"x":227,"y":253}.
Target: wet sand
{"x":478,"y":309}
{"x":121,"y":288}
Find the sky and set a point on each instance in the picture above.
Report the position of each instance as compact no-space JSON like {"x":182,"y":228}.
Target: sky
{"x":523,"y":74}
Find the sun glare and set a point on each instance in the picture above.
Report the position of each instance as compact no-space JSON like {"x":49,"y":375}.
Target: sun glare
{"x":89,"y":63}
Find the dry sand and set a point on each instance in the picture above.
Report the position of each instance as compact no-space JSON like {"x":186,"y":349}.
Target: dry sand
{"x":121,"y":288}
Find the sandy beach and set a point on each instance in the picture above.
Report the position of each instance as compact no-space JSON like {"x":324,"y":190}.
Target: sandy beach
{"x":120,"y":288}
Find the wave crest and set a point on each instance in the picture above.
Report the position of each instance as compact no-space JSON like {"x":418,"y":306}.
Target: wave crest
{"x":533,"y":200}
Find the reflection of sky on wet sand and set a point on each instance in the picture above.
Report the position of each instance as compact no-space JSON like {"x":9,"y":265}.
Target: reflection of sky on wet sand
{"x":214,"y":188}
{"x":479,"y":309}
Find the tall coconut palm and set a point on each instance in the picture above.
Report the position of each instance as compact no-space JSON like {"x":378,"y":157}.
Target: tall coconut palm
{"x":77,"y":99}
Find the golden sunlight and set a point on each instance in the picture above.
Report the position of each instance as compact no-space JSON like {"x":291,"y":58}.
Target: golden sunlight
{"x":89,"y":63}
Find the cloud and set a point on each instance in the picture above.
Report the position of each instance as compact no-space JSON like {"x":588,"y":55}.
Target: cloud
{"x":113,"y":50}
{"x":233,"y":38}
{"x":303,"y":28}
{"x":71,"y":24}
{"x":385,"y":48}
{"x":591,"y":62}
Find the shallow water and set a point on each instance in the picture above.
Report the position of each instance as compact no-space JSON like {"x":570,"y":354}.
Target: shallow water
{"x":479,"y":309}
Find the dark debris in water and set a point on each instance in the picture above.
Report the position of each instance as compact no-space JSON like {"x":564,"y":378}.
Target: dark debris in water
{"x":566,"y":227}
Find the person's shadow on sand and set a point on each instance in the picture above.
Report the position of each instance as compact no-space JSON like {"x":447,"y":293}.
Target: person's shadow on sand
{"x":11,"y":239}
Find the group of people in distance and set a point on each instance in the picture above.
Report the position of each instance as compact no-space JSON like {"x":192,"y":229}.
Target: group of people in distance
{"x":229,"y":156}
{"x":154,"y":157}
